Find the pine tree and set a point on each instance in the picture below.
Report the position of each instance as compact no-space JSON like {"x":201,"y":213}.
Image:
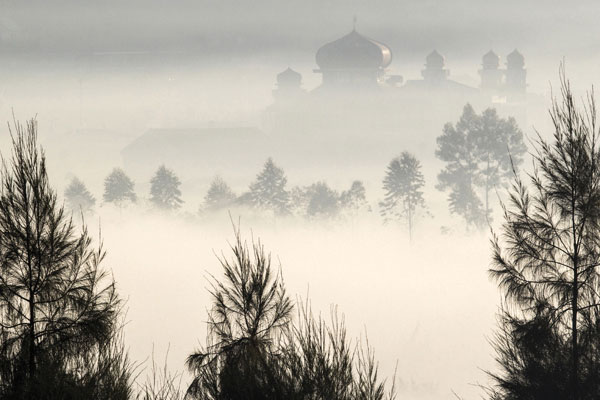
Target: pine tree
{"x":118,"y":188}
{"x":251,"y":307}
{"x":480,"y":152}
{"x":268,"y":191}
{"x":255,"y":350}
{"x":79,"y":199}
{"x":219,"y":196}
{"x":403,"y":185}
{"x":57,"y":305}
{"x":547,"y":259}
{"x":164,"y":189}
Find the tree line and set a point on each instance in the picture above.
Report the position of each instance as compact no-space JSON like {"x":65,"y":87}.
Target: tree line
{"x":479,"y":152}
{"x":268,"y":193}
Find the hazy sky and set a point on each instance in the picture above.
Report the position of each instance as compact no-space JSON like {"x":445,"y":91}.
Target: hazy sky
{"x":233,"y":27}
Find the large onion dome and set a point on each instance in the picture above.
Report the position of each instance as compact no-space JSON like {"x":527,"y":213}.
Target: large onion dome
{"x":490,"y":60}
{"x":515,"y":60}
{"x":353,"y":51}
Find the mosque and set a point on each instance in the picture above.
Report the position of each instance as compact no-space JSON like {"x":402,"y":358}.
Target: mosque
{"x":355,"y":83}
{"x":360,"y":112}
{"x":358,"y":62}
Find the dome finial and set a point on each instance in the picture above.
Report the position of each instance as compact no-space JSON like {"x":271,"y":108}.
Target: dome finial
{"x":354,"y":23}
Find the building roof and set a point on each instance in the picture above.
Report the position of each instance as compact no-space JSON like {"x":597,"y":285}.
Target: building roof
{"x":354,"y":51}
{"x":446,"y":85}
{"x":183,"y":149}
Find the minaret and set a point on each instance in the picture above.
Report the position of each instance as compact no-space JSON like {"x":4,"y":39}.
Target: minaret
{"x":288,"y":84}
{"x":491,"y":74}
{"x":516,"y":74}
{"x":434,"y":71}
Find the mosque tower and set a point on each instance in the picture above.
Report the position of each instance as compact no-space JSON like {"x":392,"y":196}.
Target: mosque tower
{"x":289,"y":85}
{"x":434,"y":72}
{"x":491,"y":74}
{"x":516,"y":74}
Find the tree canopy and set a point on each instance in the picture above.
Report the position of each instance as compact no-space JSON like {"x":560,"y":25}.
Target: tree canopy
{"x":119,"y":188}
{"x":219,"y":195}
{"x":480,"y":152}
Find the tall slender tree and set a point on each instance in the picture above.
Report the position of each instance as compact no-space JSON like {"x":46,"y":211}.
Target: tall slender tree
{"x":547,"y":259}
{"x":164,"y":189}
{"x":354,"y":200}
{"x":56,"y":302}
{"x":403,"y":183}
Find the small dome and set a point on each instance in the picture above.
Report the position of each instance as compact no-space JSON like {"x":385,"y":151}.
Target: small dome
{"x":434,"y":60}
{"x":491,"y":60}
{"x":354,"y":51}
{"x":515,"y":60}
{"x":289,"y":77}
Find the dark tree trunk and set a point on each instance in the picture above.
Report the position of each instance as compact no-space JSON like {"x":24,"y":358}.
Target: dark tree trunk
{"x":575,"y":350}
{"x":31,"y":336}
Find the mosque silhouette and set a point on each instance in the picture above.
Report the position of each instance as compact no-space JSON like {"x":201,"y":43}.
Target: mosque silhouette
{"x":358,"y":113}
{"x":357,"y":62}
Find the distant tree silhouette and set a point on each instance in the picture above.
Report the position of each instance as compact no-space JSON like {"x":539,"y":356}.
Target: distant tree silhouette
{"x":319,"y":201}
{"x":58,"y":307}
{"x":402,"y":184}
{"x":219,"y":196}
{"x":499,"y":148}
{"x":118,"y":188}
{"x":79,"y":199}
{"x":464,"y":201}
{"x":478,"y":152}
{"x":354,"y":200}
{"x":547,"y":261}
{"x":298,"y":201}
{"x":268,"y":191}
{"x":164,"y":189}
{"x":322,"y":201}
